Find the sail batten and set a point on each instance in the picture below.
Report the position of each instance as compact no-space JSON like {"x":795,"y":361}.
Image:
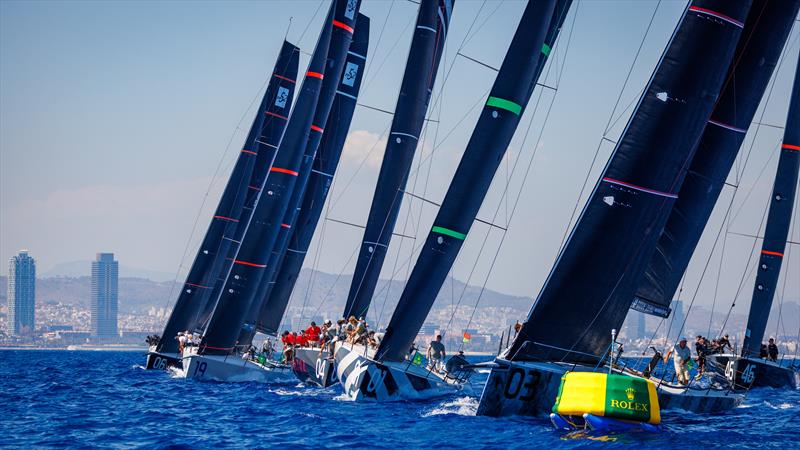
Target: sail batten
{"x":765,"y":32}
{"x":197,"y":294}
{"x":593,"y":281}
{"x":776,"y":233}
{"x":490,"y":139}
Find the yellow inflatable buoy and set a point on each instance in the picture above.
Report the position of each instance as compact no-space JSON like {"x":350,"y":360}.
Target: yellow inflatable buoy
{"x":608,"y":395}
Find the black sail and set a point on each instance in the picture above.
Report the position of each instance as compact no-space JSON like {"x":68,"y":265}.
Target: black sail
{"x":250,"y":261}
{"x":409,"y":115}
{"x":591,"y":285}
{"x":779,"y":220}
{"x":319,"y":183}
{"x":197,"y":290}
{"x":496,"y":125}
{"x":765,"y":32}
{"x":265,"y":314}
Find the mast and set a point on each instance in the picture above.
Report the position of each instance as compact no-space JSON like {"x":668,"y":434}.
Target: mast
{"x":764,"y":36}
{"x":591,"y":284}
{"x":196,"y":292}
{"x":779,"y":220}
{"x":250,"y":261}
{"x":498,"y":121}
{"x":263,"y":308}
{"x":409,"y":115}
{"x":324,"y":168}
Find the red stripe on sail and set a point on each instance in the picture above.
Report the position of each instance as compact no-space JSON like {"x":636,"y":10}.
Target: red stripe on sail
{"x":226,"y":218}
{"x":698,"y":9}
{"x":245,"y":263}
{"x":249,"y":152}
{"x":197,"y":285}
{"x":791,"y":147}
{"x":286,"y":171}
{"x":270,"y":113}
{"x":314,"y":74}
{"x":767,"y":252}
{"x":285,"y":225}
{"x":343,"y":26}
{"x":317,"y":129}
{"x":283,"y":78}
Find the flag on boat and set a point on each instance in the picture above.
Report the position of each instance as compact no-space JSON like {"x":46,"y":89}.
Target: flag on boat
{"x":467,"y":337}
{"x":417,"y":361}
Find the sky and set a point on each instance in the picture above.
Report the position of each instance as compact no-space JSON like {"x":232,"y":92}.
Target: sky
{"x":120,"y":121}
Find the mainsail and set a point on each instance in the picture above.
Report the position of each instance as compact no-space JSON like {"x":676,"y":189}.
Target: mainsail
{"x":250,"y":261}
{"x":264,"y":313}
{"x":319,"y":183}
{"x":591,"y":285}
{"x":498,"y":121}
{"x":778,"y":222}
{"x":210,"y":262}
{"x":427,"y":46}
{"x":764,"y":35}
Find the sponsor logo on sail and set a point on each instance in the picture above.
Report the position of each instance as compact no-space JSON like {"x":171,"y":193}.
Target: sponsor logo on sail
{"x":282,"y":97}
{"x":350,"y":73}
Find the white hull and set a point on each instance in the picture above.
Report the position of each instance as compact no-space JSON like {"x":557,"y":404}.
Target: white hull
{"x":232,"y":368}
{"x":314,"y":367}
{"x":363,"y":378}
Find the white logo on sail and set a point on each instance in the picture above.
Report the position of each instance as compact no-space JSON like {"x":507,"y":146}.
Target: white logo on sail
{"x":350,"y":72}
{"x":662,"y":96}
{"x":609,"y":200}
{"x":350,"y":10}
{"x":282,"y":97}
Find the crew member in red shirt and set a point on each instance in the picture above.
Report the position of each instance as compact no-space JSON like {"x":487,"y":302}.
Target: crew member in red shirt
{"x":312,"y":334}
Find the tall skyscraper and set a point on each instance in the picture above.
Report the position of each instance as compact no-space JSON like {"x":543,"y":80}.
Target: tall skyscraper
{"x":676,"y":322}
{"x":641,"y":329}
{"x":105,"y":274}
{"x":21,"y":293}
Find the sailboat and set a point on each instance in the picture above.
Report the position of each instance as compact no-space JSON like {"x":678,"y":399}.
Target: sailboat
{"x":217,"y":355}
{"x":749,"y":369}
{"x":315,"y":365}
{"x":591,"y":286}
{"x":388,"y":372}
{"x":226,"y":228}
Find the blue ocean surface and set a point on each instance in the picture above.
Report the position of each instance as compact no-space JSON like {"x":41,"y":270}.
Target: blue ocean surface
{"x":107,"y":400}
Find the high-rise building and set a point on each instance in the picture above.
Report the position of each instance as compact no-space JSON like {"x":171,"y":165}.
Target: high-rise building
{"x":676,"y":324}
{"x":105,"y":274}
{"x":21,"y":293}
{"x":641,"y":328}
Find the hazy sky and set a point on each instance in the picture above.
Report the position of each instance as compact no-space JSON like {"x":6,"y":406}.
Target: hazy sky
{"x":114,"y":117}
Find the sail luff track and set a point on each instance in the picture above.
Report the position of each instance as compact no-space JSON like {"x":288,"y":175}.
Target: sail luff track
{"x":591,"y":285}
{"x":496,"y":126}
{"x":776,"y":233}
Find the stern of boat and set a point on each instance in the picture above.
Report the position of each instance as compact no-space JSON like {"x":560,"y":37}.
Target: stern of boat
{"x":312,"y":366}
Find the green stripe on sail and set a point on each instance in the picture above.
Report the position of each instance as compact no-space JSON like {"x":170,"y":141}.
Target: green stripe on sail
{"x":545,"y":50}
{"x":504,"y":104}
{"x":450,"y":233}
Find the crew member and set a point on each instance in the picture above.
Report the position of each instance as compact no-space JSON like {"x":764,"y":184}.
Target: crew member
{"x":772,"y":350}
{"x":681,"y":355}
{"x":313,"y":333}
{"x":436,"y":352}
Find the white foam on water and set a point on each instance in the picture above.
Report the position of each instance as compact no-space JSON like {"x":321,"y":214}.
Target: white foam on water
{"x":138,"y":367}
{"x":462,"y":406}
{"x":286,"y":392}
{"x":343,"y":398}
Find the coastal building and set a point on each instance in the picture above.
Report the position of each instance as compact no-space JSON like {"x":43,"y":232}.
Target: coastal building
{"x":641,"y":331}
{"x":21,"y":294}
{"x":105,"y":275}
{"x":676,"y":322}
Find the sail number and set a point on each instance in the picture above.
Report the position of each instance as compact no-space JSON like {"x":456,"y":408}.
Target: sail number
{"x":159,"y":363}
{"x":749,"y":374}
{"x":521,"y":384}
{"x":200,"y":368}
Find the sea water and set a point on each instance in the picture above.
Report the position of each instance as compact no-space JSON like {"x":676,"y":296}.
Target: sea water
{"x":107,"y":400}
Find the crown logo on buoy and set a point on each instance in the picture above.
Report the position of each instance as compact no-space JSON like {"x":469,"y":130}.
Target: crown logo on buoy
{"x":630,"y":392}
